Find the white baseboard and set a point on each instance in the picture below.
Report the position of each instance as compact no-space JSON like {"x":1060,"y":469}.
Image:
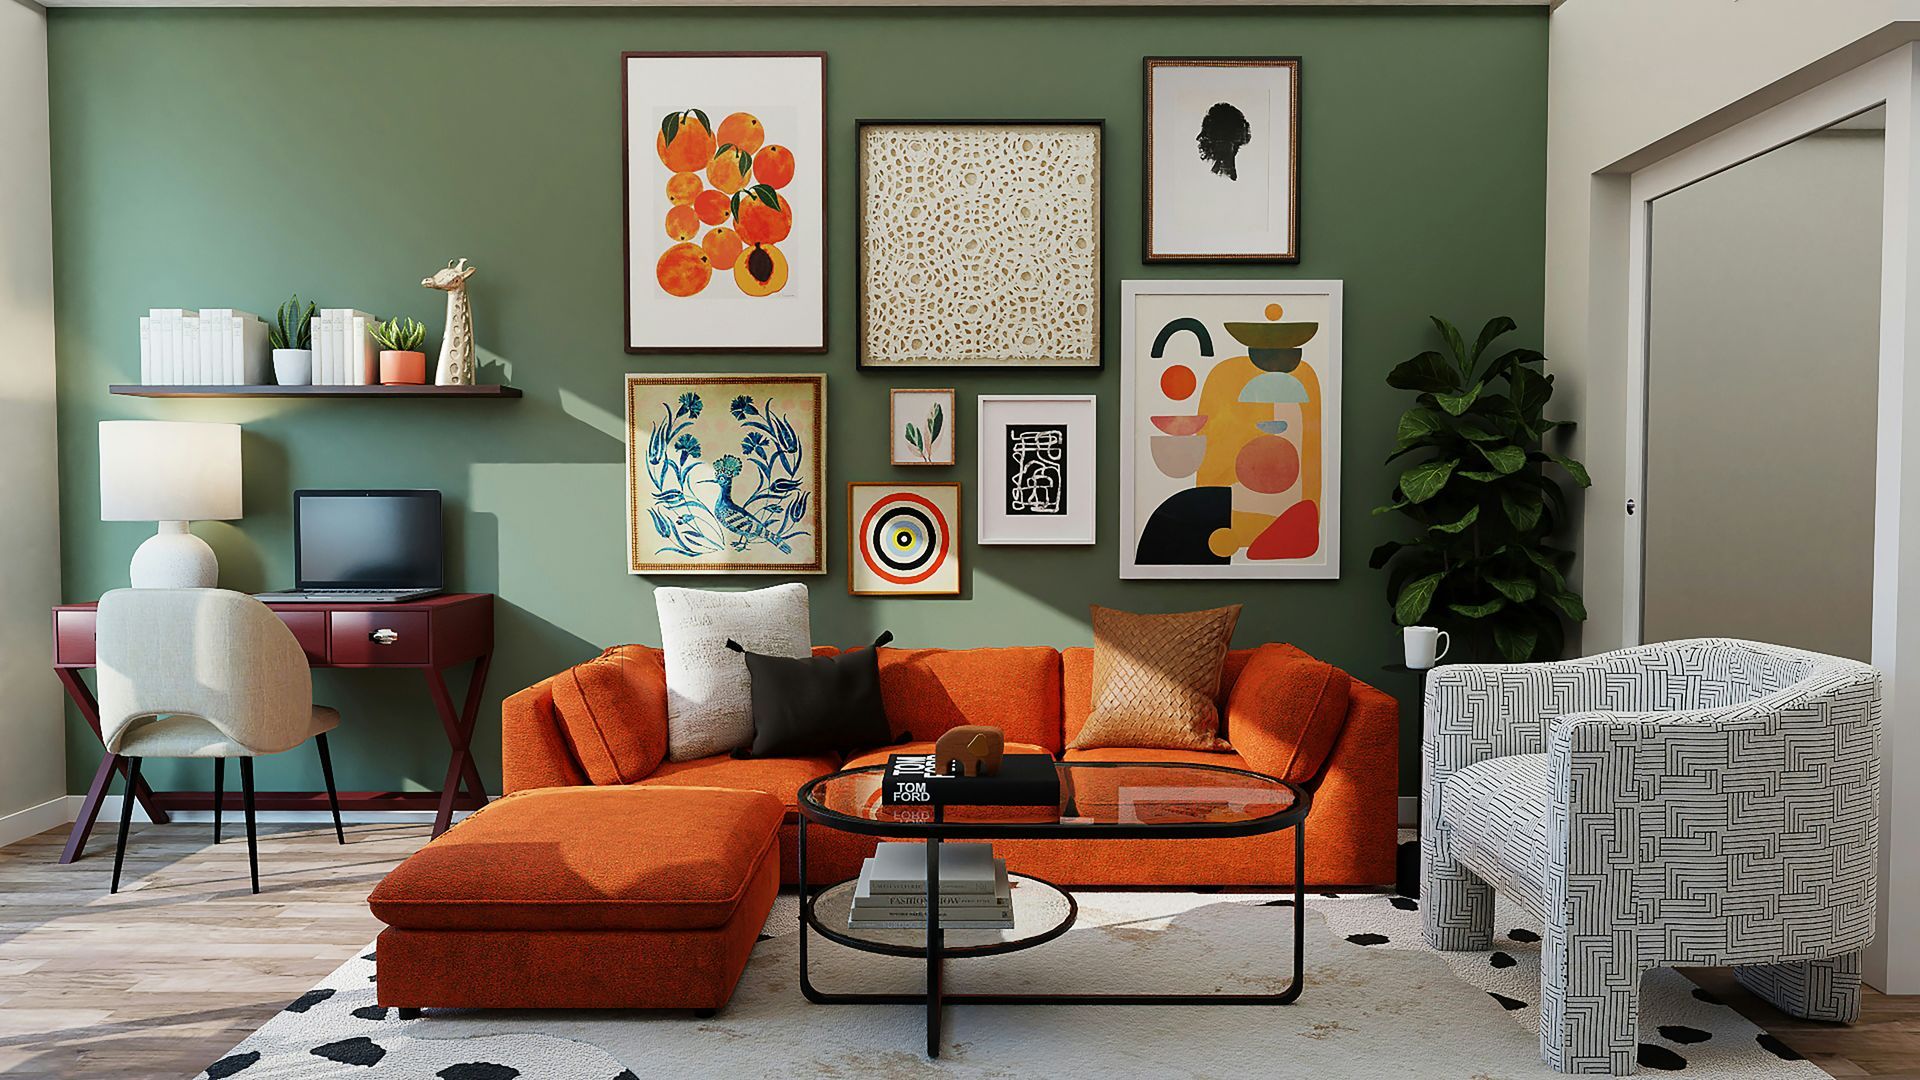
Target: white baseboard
{"x":1409,"y":811}
{"x":35,"y":820}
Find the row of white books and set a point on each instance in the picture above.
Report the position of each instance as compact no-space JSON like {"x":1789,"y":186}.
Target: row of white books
{"x":211,"y":347}
{"x":225,"y":347}
{"x":892,"y":891}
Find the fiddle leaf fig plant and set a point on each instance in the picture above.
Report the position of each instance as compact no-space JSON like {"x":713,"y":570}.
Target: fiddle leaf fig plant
{"x":1484,"y":496}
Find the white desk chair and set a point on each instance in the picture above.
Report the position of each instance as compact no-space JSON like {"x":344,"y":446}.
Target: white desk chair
{"x":204,"y":673}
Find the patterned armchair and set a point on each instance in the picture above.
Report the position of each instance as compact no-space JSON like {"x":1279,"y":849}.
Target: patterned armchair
{"x":1711,"y":802}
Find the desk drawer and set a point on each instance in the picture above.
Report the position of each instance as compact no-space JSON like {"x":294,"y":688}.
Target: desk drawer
{"x":310,"y":630}
{"x":73,"y":631}
{"x":403,"y":638}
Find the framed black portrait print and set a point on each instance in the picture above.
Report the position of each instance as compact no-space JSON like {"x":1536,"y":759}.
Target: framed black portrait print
{"x":1222,"y":159}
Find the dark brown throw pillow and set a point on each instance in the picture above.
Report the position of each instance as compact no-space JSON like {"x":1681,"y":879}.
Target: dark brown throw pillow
{"x":816,"y":705}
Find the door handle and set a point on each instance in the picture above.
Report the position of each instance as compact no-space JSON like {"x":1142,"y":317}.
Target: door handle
{"x":384,"y":636}
{"x":1631,"y":507}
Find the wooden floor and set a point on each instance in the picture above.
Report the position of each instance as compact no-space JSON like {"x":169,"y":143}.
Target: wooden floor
{"x":184,"y":962}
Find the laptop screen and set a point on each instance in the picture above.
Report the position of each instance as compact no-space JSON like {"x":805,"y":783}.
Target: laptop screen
{"x":367,"y":539}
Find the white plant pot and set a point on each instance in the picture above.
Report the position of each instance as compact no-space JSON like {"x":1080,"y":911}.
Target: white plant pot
{"x":293,"y":367}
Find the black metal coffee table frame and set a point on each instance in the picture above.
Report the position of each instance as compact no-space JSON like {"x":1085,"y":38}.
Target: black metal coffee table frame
{"x":938,"y":830}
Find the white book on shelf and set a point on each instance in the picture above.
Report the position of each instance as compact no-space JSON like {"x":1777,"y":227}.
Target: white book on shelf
{"x":146,"y":350}
{"x":164,"y":321}
{"x":213,"y":345}
{"x":958,"y":905}
{"x":190,"y":351}
{"x":348,"y":355}
{"x":178,"y":370}
{"x":359,"y":352}
{"x":254,"y":353}
{"x":900,"y":867}
{"x":313,"y":342}
{"x":325,"y":348}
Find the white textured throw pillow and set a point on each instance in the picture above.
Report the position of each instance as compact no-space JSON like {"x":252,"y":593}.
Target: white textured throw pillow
{"x":709,"y":700}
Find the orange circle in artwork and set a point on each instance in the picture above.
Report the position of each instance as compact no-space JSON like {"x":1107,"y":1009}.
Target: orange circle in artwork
{"x":1274,"y":311}
{"x":1177,"y":382}
{"x":1267,"y":464}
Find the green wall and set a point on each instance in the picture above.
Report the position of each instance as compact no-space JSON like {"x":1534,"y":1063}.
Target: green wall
{"x":227,"y":158}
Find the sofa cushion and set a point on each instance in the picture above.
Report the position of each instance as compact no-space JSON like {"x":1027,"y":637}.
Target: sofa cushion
{"x":928,"y":691}
{"x":1493,"y":819}
{"x":614,"y":710}
{"x":709,"y":703}
{"x":781,"y":777}
{"x":1076,"y":686}
{"x":1287,"y":710}
{"x":1156,"y":678}
{"x":626,"y":858}
{"x":1134,"y":755}
{"x":817,"y":705}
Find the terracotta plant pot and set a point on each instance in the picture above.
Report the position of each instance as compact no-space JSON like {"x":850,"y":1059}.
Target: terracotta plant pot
{"x":402,"y":368}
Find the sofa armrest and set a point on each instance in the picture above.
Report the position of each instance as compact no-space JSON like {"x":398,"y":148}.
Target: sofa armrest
{"x":533,"y":750}
{"x":1356,"y":806}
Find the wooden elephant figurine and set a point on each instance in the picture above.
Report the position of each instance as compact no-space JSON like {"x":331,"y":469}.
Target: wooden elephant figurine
{"x":969,"y":750}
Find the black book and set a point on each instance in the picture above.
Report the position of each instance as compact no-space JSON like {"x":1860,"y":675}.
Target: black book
{"x":1023,"y":780}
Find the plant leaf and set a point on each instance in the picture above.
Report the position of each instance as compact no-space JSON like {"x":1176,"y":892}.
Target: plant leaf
{"x":702,"y":117}
{"x":1418,"y":422}
{"x":1475,"y":433}
{"x":1540,"y":559}
{"x":1518,"y":590}
{"x":1429,"y":372}
{"x":1516,"y":643}
{"x":1472,"y":515}
{"x":1574,"y":469}
{"x":669,"y":127}
{"x":913,"y":437}
{"x":1523,"y":508}
{"x":1459,"y":403}
{"x":1424,"y":481}
{"x":1479,"y":611}
{"x":1496,"y":326}
{"x":1481,"y":475}
{"x":936,"y":420}
{"x":1507,"y":459}
{"x":1569,"y":604}
{"x":1415,"y":598}
{"x":745,"y":162}
{"x":1397,"y":504}
{"x":766,"y":195}
{"x":1384,"y":553}
{"x":1452,"y":337}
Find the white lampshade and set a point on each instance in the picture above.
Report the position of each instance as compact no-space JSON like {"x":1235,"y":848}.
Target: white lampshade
{"x":156,"y":470}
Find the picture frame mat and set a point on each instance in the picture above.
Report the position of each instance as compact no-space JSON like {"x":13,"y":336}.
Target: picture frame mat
{"x":1080,"y":524}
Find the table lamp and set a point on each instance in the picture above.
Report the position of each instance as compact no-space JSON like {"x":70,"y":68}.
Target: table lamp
{"x":172,"y":473}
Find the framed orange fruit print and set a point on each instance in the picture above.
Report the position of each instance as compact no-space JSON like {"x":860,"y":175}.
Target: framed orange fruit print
{"x":725,"y":162}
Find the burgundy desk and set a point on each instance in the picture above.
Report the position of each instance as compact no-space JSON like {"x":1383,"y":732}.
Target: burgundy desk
{"x":428,"y":636}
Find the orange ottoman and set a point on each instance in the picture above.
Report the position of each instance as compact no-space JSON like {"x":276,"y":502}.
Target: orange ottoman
{"x":583,"y":898}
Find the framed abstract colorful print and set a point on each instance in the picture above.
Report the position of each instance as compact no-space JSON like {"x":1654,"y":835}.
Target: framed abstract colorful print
{"x":1230,"y":429}
{"x":979,"y":243}
{"x":903,"y":539}
{"x":1222,"y":159}
{"x":1037,"y":475}
{"x":725,"y":474}
{"x":725,"y":182}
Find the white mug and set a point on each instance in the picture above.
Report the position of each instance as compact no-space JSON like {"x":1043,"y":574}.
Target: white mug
{"x":1425,"y":645}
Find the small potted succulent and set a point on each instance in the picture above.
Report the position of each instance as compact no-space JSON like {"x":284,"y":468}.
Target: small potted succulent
{"x":401,"y":361}
{"x":291,"y":337}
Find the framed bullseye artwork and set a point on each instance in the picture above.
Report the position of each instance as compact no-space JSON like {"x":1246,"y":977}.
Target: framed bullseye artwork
{"x":725,"y":181}
{"x":903,"y":539}
{"x":1230,"y":429}
{"x":1037,"y":455}
{"x":726,"y":474}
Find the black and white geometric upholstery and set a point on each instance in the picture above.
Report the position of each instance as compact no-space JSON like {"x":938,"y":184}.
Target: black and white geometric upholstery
{"x":1710,"y":802}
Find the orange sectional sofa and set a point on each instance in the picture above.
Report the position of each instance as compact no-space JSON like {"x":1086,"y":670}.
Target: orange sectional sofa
{"x":604,"y":723}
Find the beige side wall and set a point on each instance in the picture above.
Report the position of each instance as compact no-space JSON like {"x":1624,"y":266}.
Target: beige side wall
{"x":1625,"y":76}
{"x":32,"y":755}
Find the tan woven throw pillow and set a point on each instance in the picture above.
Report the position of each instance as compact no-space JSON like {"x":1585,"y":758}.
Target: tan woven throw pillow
{"x":1155,"y":678}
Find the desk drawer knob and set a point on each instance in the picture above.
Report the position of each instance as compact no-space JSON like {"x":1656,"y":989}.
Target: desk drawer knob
{"x":384,"y":636}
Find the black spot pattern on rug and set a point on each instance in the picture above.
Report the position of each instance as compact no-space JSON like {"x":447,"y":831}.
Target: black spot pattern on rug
{"x":1507,"y":1003}
{"x":1331,"y":895}
{"x":1501,"y":960}
{"x":355,"y":1051}
{"x":1367,"y":939}
{"x":231,"y":1064}
{"x":371,"y":1012}
{"x":370,"y":956}
{"x":1403,"y":903}
{"x":1659,"y":1057}
{"x":1777,"y":1048}
{"x":766,"y":937}
{"x":477,"y":1070}
{"x":308,"y":1000}
{"x":1522,"y":935}
{"x":626,"y":1074}
{"x":1680,"y":1033}
{"x":1702,"y":995}
{"x":1278,"y":903}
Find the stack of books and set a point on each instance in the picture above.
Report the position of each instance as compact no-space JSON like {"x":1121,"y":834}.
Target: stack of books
{"x":344,"y":351}
{"x":892,"y":891}
{"x":209,"y":347}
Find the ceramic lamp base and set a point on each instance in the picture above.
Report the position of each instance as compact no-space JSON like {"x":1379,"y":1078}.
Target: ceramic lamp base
{"x":174,"y":558}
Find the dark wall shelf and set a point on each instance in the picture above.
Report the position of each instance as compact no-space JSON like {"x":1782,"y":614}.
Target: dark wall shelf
{"x":488,"y":390}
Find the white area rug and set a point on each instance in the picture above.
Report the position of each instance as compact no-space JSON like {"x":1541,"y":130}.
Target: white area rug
{"x":1377,"y":1003}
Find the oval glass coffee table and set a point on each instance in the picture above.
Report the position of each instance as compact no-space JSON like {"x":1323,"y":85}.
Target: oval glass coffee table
{"x":1098,"y":801}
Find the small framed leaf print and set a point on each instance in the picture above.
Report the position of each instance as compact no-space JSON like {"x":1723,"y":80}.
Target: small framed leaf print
{"x":923,"y":427}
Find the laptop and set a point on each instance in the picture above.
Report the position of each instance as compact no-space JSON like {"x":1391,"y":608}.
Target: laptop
{"x":365,"y":547}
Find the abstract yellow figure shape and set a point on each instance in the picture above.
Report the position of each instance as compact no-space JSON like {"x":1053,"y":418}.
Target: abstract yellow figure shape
{"x":1230,"y":421}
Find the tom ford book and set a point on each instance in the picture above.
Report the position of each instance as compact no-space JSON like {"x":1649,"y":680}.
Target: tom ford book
{"x":1023,"y":780}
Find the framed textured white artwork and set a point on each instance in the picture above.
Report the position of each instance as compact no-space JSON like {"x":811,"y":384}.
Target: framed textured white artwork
{"x":979,"y":243}
{"x":725,"y":474}
{"x":1230,"y":429}
{"x":1222,"y":159}
{"x":923,"y":427}
{"x":725,"y":184}
{"x":1037,"y":474}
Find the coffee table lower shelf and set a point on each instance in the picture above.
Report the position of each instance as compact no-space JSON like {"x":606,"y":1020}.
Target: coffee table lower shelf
{"x":1055,"y":909}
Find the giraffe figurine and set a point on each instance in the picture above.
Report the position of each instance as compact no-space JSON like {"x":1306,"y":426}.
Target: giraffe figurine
{"x":456,"y":346}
